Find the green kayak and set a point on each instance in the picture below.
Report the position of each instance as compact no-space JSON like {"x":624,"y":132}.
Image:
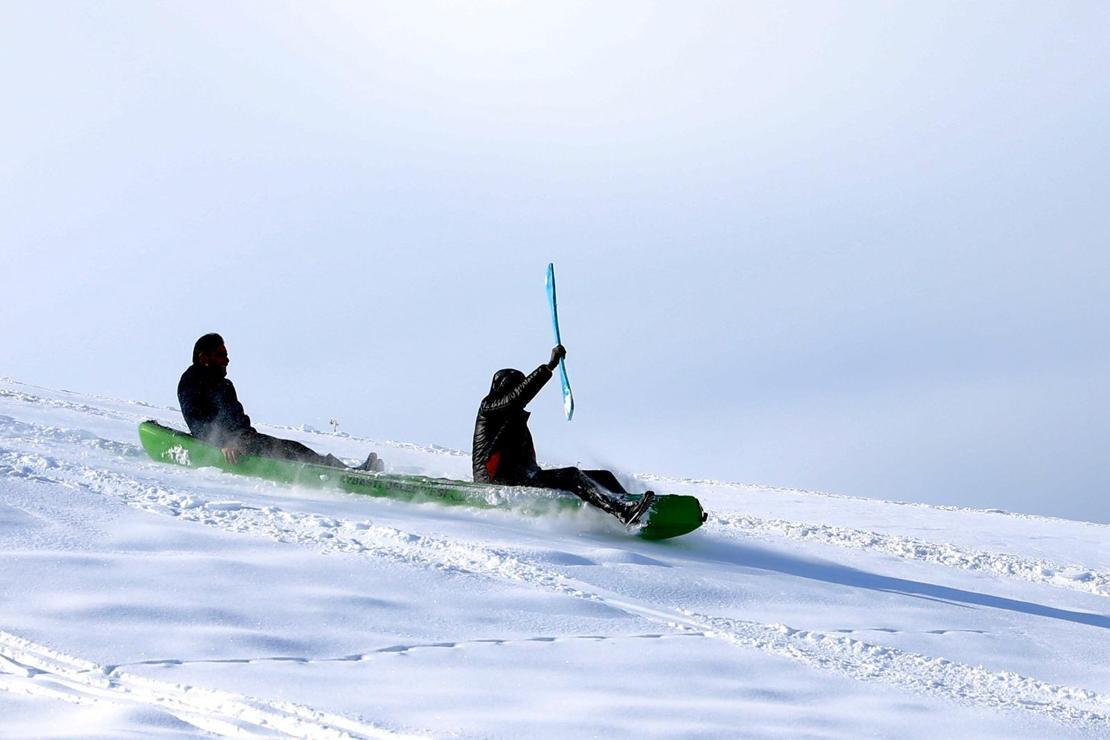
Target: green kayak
{"x":669,"y":515}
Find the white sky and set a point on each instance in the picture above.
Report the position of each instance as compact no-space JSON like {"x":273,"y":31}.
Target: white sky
{"x":851,"y":246}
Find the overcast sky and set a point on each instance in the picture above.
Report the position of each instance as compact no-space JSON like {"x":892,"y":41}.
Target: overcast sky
{"x":859,"y":247}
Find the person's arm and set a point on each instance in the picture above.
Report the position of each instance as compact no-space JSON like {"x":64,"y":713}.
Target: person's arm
{"x":233,"y":418}
{"x":521,"y":394}
{"x":196,"y":406}
{"x":206,"y":411}
{"x":232,"y":421}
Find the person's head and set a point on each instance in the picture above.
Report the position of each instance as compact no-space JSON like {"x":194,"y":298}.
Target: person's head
{"x":505,"y":379}
{"x":210,"y":351}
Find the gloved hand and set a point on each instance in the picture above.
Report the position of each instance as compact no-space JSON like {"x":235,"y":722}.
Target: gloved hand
{"x":558,"y":353}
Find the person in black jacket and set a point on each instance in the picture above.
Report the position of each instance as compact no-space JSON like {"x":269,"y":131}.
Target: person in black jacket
{"x":503,"y":451}
{"x":213,"y":413}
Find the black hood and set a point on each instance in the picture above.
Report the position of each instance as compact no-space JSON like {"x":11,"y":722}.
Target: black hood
{"x":506,"y":378}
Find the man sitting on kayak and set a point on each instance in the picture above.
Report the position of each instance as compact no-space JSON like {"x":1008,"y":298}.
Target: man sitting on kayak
{"x":212,"y":410}
{"x":503,"y":450}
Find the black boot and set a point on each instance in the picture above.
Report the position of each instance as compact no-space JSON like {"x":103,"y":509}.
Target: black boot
{"x":631,"y":516}
{"x":373,"y":464}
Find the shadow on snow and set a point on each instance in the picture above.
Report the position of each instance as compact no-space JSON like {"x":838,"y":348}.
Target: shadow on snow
{"x":828,"y":572}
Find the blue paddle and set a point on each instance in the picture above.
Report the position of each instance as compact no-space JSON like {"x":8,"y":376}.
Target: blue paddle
{"x":568,"y":398}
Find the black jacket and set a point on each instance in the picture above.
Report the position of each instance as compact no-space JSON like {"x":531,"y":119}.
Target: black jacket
{"x":210,"y":406}
{"x":503,"y":451}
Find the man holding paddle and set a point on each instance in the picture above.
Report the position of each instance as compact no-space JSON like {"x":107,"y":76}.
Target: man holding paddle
{"x":504,"y":453}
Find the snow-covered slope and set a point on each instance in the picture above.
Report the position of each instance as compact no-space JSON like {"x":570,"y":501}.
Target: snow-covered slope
{"x":142,"y":598}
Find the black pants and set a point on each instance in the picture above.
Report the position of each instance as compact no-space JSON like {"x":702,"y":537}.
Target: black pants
{"x":589,"y":485}
{"x":264,"y":445}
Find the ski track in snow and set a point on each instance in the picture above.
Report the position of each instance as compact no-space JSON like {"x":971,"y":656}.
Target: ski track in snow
{"x":82,"y":408}
{"x":973,"y":685}
{"x":402,"y":649}
{"x":35,"y":670}
{"x":919,"y":673}
{"x":1075,"y":577}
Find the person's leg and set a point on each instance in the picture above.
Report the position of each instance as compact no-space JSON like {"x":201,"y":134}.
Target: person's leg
{"x":632,"y":512}
{"x":264,"y":445}
{"x":578,"y":483}
{"x":606,"y":480}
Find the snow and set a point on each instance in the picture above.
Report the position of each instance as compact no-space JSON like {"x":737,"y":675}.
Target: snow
{"x":144,"y":599}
